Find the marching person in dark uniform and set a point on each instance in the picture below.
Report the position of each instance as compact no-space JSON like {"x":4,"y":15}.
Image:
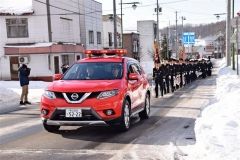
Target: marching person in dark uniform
{"x":161,"y":75}
{"x":209,"y":67}
{"x":181,"y":71}
{"x":187,"y":70}
{"x":167,"y":74}
{"x":23,"y":73}
{"x":171,"y":72}
{"x":155,"y":77}
{"x":203,"y":67}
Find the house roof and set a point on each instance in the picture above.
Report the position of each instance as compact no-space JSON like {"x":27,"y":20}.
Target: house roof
{"x":16,"y":7}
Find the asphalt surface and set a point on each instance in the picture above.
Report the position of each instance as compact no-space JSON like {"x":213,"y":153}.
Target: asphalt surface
{"x":170,"y":127}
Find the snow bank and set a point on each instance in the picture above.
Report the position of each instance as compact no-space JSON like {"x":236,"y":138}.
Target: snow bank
{"x":7,"y":97}
{"x":17,"y":7}
{"x":218,"y":129}
{"x":10,"y":92}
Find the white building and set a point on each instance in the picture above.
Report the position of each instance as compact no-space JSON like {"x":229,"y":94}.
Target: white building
{"x":108,"y":32}
{"x":147,"y":31}
{"x":46,"y":42}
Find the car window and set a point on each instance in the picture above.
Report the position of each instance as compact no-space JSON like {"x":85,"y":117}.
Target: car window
{"x":133,"y":69}
{"x":95,"y":71}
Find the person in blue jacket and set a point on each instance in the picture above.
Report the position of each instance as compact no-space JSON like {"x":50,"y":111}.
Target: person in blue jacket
{"x":23,"y":73}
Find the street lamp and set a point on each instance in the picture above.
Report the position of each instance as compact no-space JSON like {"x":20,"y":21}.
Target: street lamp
{"x":134,"y":6}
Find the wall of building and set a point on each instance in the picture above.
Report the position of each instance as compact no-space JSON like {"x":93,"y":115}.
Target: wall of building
{"x":109,"y":27}
{"x":93,"y":22}
{"x":65,"y":27}
{"x":146,"y":32}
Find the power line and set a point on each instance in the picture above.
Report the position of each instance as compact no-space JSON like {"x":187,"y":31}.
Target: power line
{"x":72,"y":12}
{"x":57,"y":7}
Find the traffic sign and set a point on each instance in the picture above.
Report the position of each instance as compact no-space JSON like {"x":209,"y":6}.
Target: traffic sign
{"x":188,"y":38}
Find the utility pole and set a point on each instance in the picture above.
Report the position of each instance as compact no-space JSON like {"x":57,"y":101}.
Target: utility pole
{"x":228,"y":33}
{"x":233,"y":52}
{"x":157,"y":23}
{"x":168,"y":39}
{"x":49,"y":21}
{"x":79,"y":20}
{"x":176,"y":38}
{"x":237,"y":39}
{"x":115,"y":24}
{"x":121,"y":23}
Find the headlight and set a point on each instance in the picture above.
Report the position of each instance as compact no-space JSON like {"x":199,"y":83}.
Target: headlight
{"x":107,"y":94}
{"x":49,"y":94}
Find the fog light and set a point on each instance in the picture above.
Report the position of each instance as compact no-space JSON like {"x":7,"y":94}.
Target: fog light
{"x":44,"y":112}
{"x":109,"y":112}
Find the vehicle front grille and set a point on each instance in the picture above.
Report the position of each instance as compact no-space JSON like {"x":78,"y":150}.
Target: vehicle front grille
{"x":92,"y":95}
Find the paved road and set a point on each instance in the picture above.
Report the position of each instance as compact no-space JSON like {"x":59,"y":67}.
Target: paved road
{"x":160,"y":137}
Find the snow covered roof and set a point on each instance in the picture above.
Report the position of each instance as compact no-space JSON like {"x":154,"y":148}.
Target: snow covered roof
{"x":200,"y":42}
{"x":34,"y":45}
{"x":16,"y":7}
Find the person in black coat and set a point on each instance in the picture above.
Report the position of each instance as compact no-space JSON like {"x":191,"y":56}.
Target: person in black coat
{"x":64,"y":68}
{"x":155,"y":77}
{"x":23,"y":73}
{"x":161,"y":75}
{"x":209,"y":68}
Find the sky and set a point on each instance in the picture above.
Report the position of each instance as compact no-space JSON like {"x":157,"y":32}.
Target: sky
{"x":195,"y":11}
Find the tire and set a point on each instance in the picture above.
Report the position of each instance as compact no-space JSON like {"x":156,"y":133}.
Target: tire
{"x":146,"y":112}
{"x":124,"y":123}
{"x":52,"y":129}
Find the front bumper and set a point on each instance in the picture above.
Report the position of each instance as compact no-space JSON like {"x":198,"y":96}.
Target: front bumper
{"x":72,"y":123}
{"x":89,"y":117}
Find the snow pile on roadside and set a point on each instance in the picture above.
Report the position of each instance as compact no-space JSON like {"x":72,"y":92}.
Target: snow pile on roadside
{"x":10,"y":92}
{"x":218,"y":129}
{"x":8,"y":97}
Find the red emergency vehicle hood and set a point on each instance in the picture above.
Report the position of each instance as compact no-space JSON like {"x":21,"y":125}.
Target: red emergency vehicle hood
{"x":84,"y":85}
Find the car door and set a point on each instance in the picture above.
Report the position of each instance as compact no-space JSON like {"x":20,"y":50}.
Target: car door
{"x":133,"y":86}
{"x":142,"y":85}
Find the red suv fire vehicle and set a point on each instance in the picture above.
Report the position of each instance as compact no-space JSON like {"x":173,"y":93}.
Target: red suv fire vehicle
{"x":104,"y":88}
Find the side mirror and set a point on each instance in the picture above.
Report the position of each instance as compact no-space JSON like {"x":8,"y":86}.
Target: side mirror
{"x":133,"y":76}
{"x":57,"y":77}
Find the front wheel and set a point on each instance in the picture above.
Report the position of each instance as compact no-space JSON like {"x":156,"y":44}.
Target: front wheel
{"x":125,"y":118}
{"x":50,"y":128}
{"x":146,"y":112}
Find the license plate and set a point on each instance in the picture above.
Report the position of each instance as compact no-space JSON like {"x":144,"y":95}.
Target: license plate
{"x":75,"y":113}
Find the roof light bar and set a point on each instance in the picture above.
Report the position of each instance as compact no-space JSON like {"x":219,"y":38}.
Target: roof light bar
{"x":106,"y":51}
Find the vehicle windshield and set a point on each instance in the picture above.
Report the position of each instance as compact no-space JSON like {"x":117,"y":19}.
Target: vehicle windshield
{"x":95,"y":71}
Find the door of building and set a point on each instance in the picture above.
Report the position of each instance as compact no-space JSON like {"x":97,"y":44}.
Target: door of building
{"x":14,"y":65}
{"x":56,"y":64}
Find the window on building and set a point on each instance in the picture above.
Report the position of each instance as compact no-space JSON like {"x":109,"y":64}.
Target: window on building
{"x":65,"y":59}
{"x":135,"y":46}
{"x":99,"y":38}
{"x":17,"y":27}
{"x":91,"y":37}
{"x":110,"y":42}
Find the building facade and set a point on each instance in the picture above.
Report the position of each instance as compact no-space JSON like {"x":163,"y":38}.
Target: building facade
{"x":132,"y":45}
{"x":108,"y":32}
{"x":148,"y":32}
{"x":46,"y":36}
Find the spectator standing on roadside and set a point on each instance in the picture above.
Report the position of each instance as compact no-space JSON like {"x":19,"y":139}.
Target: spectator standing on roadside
{"x":23,"y":73}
